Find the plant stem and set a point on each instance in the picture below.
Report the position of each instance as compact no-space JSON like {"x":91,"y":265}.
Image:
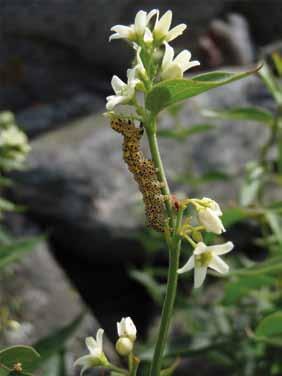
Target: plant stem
{"x":117,"y":369}
{"x":154,"y":148}
{"x":174,"y":246}
{"x":167,"y":310}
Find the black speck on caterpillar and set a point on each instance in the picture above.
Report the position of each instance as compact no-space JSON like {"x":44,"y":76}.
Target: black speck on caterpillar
{"x":143,"y":170}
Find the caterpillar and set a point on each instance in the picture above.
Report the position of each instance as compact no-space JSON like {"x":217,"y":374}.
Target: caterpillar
{"x":143,"y":170}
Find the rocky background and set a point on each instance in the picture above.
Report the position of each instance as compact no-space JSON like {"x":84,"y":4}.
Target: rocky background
{"x":55,"y":68}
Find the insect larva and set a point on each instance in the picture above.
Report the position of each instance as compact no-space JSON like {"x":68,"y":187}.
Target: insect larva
{"x":144,"y":172}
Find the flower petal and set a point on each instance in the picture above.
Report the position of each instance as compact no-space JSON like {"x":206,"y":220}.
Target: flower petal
{"x":199,"y":276}
{"x":191,"y":64}
{"x":173,"y":71}
{"x":121,"y":32}
{"x":183,"y":59}
{"x":164,"y":23}
{"x":114,"y":100}
{"x":200,"y":248}
{"x":168,"y":56}
{"x":175,"y":32}
{"x":219,"y":265}
{"x":85,"y":360}
{"x":188,"y":266}
{"x":151,"y":14}
{"x":99,"y":339}
{"x":140,"y":22}
{"x":117,"y":84}
{"x":221,"y":249}
{"x":91,"y":344}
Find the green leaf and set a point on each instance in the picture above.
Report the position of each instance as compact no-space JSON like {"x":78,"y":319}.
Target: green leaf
{"x":17,"y":249}
{"x":270,"y":326}
{"x":236,"y":290}
{"x":25,"y":355}
{"x":184,"y":133}
{"x":277,"y":59}
{"x":242,"y":113}
{"x":170,"y":92}
{"x":54,"y":343}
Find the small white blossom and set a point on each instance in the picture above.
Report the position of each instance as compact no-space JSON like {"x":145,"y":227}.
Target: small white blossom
{"x":138,"y":30}
{"x":173,"y":68}
{"x":96,"y":356}
{"x":209,"y":216}
{"x":126,"y":328}
{"x":161,"y":30}
{"x":205,"y":257}
{"x":124,"y":92}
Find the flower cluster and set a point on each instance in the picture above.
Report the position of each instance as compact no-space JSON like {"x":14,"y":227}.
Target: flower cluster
{"x":204,"y":257}
{"x":148,"y":38}
{"x":96,"y":358}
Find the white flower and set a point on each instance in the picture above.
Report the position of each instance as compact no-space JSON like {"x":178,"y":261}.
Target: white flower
{"x":205,"y":257}
{"x":209,"y":216}
{"x":173,"y":68}
{"x":123,"y":92}
{"x":138,"y":30}
{"x":96,"y":356}
{"x":126,"y":328}
{"x":161,"y":30}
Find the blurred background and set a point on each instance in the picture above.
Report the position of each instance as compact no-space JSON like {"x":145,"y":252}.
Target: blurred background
{"x":55,"y":69}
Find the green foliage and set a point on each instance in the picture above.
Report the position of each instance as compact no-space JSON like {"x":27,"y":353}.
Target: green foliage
{"x":25,"y":355}
{"x":168,"y":93}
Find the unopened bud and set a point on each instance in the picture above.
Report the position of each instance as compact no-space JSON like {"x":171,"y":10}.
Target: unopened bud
{"x":124,"y":346}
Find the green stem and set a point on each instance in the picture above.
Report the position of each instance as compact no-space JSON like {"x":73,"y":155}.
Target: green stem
{"x":154,"y":148}
{"x":167,"y":310}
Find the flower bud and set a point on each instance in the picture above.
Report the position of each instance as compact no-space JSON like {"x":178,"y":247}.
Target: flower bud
{"x":126,"y":328}
{"x":124,"y":346}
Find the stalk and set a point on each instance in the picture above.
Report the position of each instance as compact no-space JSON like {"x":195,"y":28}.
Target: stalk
{"x":174,"y":247}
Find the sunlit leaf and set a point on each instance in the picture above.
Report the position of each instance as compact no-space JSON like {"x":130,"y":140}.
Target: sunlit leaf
{"x":271,"y":83}
{"x":170,"y":92}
